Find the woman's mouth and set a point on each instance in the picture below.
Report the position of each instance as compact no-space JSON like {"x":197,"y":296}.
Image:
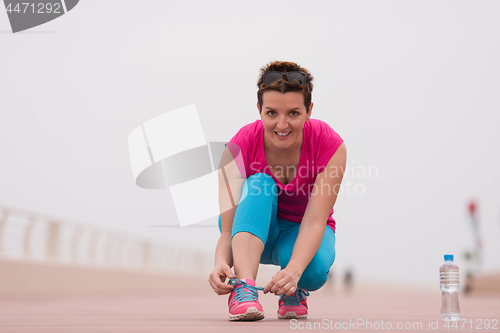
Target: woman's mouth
{"x":282,"y":134}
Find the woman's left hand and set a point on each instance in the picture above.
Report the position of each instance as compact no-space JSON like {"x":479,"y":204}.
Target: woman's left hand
{"x":283,"y":282}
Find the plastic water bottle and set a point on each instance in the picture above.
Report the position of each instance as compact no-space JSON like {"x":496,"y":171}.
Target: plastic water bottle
{"x":450,"y":310}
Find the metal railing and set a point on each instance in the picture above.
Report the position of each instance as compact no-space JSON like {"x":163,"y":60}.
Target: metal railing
{"x":29,"y":236}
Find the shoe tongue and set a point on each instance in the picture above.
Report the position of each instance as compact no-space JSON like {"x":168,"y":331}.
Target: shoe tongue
{"x":250,"y":282}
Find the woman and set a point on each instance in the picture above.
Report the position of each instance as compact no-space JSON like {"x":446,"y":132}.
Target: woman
{"x":278,"y":182}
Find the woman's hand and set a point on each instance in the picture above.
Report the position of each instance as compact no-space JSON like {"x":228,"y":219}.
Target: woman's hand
{"x":283,"y":282}
{"x":218,"y":277}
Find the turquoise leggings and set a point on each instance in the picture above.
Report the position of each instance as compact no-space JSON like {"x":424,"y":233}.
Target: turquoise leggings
{"x":256,"y":214}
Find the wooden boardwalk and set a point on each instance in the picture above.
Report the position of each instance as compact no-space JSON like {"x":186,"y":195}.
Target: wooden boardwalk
{"x":193,"y":307}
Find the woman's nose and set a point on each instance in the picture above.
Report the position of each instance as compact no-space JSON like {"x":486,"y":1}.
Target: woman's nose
{"x":282,"y":123}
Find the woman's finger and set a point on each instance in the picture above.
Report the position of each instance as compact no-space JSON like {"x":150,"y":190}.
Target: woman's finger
{"x":227,"y":271}
{"x":278,"y":285}
{"x":216,"y":283}
{"x":213,"y":285}
{"x":283,"y":289}
{"x":219,"y":287}
{"x":273,"y":283}
{"x":219,"y":283}
{"x":291,"y":291}
{"x":271,"y":287}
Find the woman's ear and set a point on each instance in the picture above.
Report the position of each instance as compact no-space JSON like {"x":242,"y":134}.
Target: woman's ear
{"x":310,"y":111}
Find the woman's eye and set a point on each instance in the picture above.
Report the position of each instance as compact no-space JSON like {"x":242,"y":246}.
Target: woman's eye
{"x":294,"y":113}
{"x":271,"y":113}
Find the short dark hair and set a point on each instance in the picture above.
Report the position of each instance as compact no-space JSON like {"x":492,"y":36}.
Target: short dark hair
{"x":284,"y":86}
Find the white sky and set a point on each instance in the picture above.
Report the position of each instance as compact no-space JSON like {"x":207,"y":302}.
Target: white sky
{"x":411,"y":86}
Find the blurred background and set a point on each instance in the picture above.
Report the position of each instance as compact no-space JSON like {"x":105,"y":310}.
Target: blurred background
{"x":412,"y":88}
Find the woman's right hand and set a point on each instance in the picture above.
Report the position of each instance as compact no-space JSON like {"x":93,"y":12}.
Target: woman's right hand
{"x":218,"y":277}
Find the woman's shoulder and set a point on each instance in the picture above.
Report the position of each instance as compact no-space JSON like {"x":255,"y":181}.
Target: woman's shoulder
{"x":246,"y":141}
{"x":322,"y":140}
{"x":253,"y":127}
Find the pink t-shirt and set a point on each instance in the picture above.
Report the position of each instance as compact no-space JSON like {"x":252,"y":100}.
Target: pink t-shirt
{"x":319,"y":144}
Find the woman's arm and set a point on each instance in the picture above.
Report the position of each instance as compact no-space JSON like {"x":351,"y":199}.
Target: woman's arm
{"x":230,"y":184}
{"x":312,"y":228}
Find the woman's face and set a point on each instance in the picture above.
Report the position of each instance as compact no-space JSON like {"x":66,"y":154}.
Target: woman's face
{"x":283,"y":117}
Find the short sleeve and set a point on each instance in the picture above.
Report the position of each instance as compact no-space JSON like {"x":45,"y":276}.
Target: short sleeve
{"x":328,"y":141}
{"x":242,"y":146}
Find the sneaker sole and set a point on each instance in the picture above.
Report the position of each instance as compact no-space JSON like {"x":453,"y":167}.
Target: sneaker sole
{"x":292,"y":315}
{"x":250,"y":315}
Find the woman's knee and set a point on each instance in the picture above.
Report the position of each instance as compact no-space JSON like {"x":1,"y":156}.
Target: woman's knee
{"x":316,"y":273}
{"x":256,"y":185}
{"x":261,"y":183}
{"x":313,"y":279}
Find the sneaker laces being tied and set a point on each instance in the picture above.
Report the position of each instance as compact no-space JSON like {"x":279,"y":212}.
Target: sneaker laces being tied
{"x":300,"y":295}
{"x":242,"y":295}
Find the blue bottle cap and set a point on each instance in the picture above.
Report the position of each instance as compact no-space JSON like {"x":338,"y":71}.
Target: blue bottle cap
{"x":448,"y":257}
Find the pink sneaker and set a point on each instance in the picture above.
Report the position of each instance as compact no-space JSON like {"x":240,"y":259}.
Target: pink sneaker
{"x":243,"y":302}
{"x":294,"y":306}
